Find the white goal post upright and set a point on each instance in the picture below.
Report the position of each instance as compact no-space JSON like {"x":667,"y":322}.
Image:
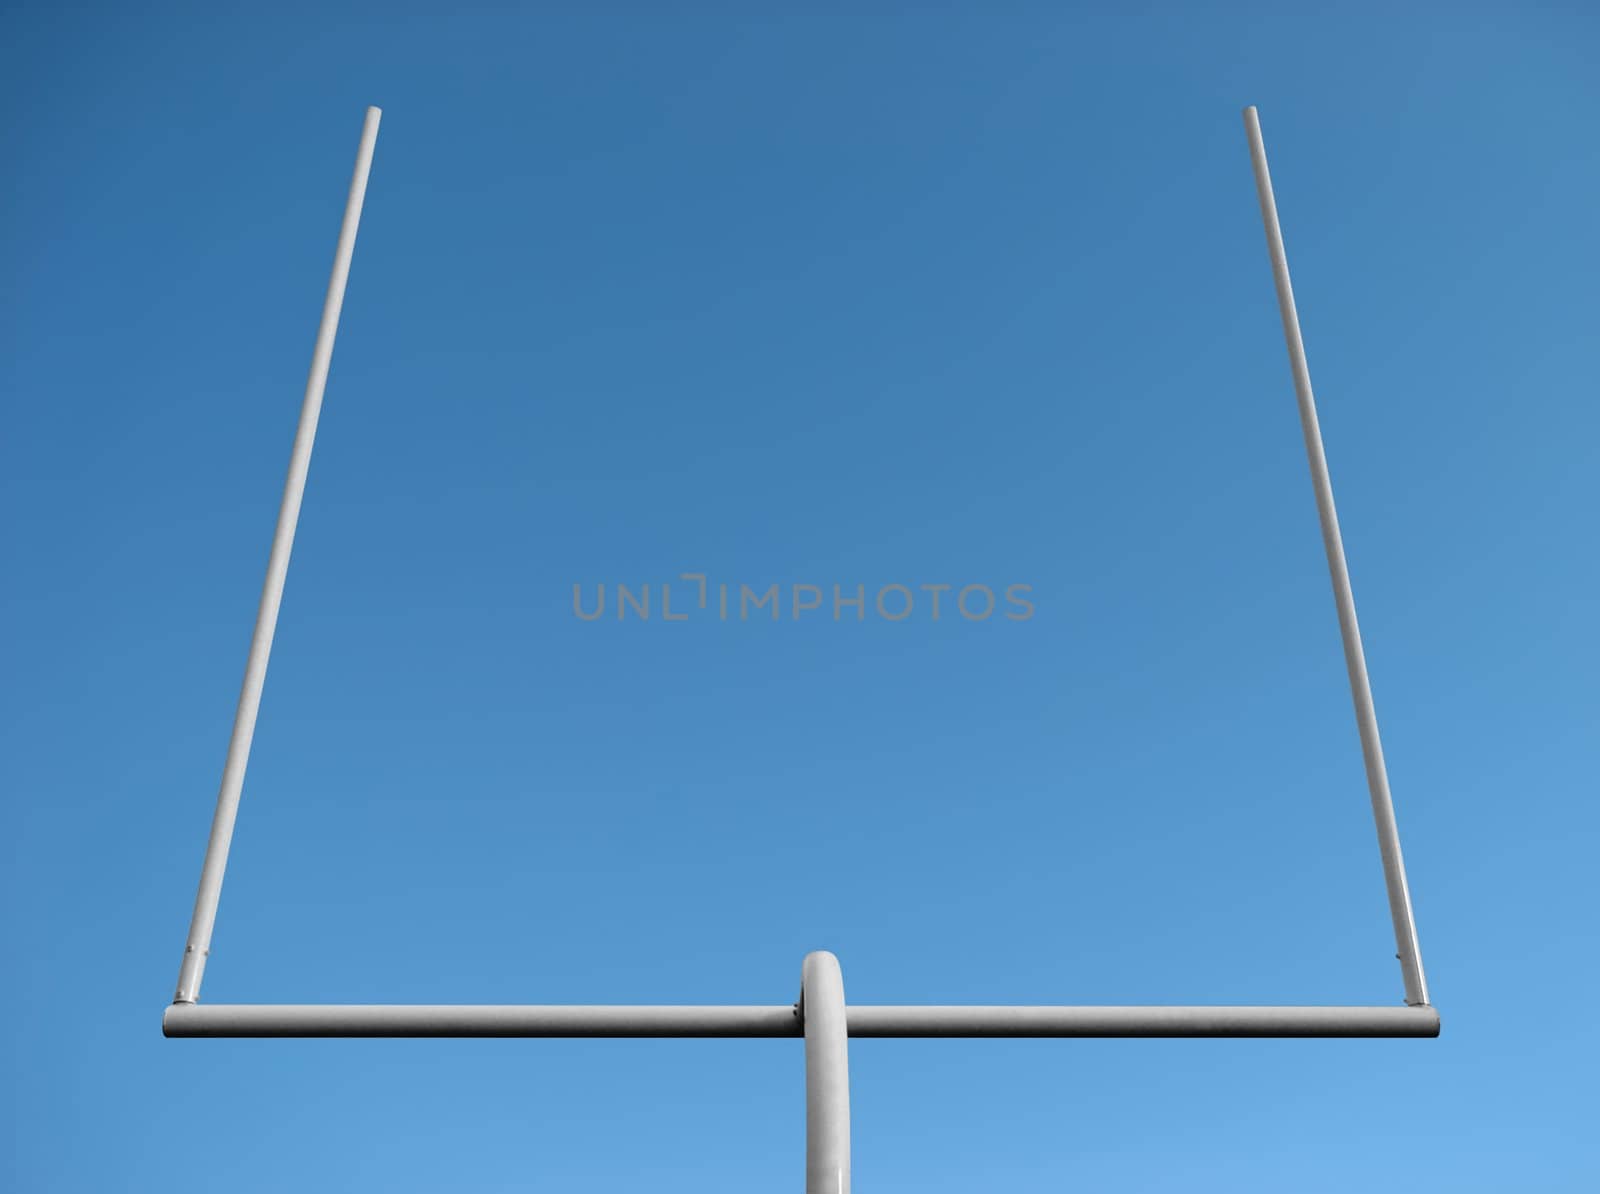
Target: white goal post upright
{"x":1355,"y":659}
{"x":821,"y":1015}
{"x":198,"y":947}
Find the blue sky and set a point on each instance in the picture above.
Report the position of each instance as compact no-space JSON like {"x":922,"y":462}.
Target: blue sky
{"x":832,"y":295}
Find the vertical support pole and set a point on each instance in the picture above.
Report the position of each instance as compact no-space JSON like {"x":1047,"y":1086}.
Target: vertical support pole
{"x":255,"y":671}
{"x":822,"y":1014}
{"x":1394,"y":867}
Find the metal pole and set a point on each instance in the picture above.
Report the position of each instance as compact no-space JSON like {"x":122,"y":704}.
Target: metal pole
{"x":1394,"y":867}
{"x":422,"y":1020}
{"x":1143,"y":1022}
{"x":255,"y":673}
{"x":822,"y":1016}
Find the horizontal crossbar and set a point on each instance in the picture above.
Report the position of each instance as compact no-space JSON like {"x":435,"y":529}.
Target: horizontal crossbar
{"x":576,"y":1020}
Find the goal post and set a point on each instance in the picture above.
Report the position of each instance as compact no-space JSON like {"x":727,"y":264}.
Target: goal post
{"x":820,"y":1016}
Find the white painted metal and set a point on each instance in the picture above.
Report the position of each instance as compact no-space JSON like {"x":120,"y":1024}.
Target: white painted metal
{"x":781,"y":1020}
{"x":822,"y":1015}
{"x":1394,"y":866}
{"x":198,"y":947}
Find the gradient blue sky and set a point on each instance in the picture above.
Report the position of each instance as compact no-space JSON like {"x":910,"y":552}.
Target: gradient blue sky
{"x":832,"y":294}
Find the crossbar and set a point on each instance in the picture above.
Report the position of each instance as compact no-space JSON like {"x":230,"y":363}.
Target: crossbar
{"x":862,"y":1020}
